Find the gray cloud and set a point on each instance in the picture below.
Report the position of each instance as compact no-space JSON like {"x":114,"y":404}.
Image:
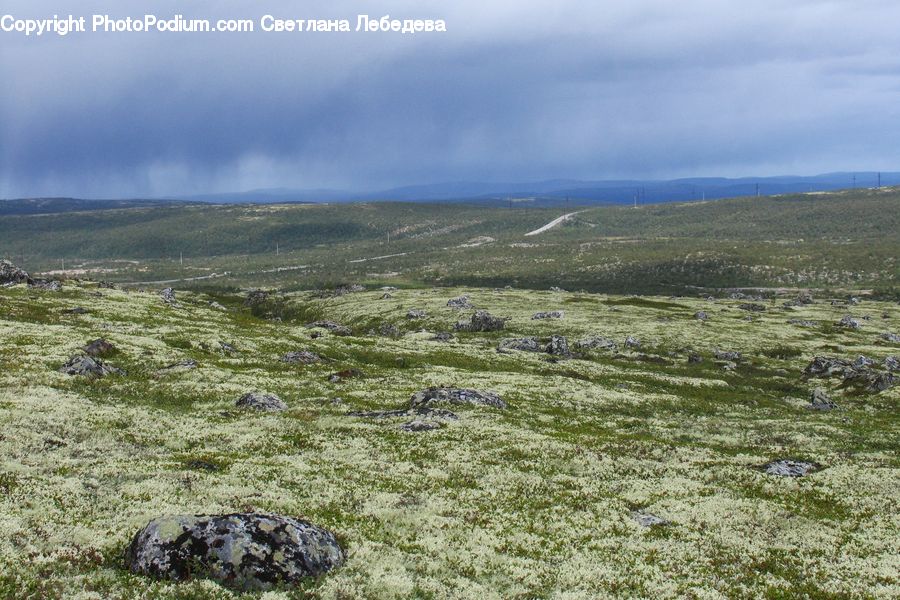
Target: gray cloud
{"x":514,"y":91}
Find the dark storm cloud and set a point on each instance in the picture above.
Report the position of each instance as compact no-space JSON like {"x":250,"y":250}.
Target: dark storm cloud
{"x":514,"y":91}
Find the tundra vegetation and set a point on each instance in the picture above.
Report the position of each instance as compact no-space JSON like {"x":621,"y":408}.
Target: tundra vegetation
{"x":442,"y":442}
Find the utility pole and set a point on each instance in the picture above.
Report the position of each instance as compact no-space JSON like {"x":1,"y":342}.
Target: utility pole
{"x":277,"y":252}
{"x":757,"y":190}
{"x":879,"y":180}
{"x":854,"y":182}
{"x":181,"y":258}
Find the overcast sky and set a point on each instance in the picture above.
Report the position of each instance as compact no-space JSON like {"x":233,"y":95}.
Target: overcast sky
{"x":516,"y":90}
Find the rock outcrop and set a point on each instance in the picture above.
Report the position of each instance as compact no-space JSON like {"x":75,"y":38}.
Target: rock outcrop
{"x":243,"y":551}
{"x":482,"y":320}
{"x":261,"y":401}
{"x":439,"y":395}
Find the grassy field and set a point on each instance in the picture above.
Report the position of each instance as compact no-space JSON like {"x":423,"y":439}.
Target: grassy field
{"x":535,"y":501}
{"x":842,"y":240}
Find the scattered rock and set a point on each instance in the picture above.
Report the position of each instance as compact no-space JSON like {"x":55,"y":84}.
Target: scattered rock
{"x":849,"y":322}
{"x":442,"y":336}
{"x":389,"y":330}
{"x":526,"y":344}
{"x":345,"y":374}
{"x":820,"y":400}
{"x":303,"y":357}
{"x":701,"y":315}
{"x":803,"y":323}
{"x":891,"y":363}
{"x":256,"y":298}
{"x":863,"y":362}
{"x":482,"y":320}
{"x":646,"y":519}
{"x":423,"y":411}
{"x":694,"y":358}
{"x":333,"y":327}
{"x":417,"y":425}
{"x":10,"y":274}
{"x":168,"y":296}
{"x":790,"y":468}
{"x":891,"y":337}
{"x":632,"y":342}
{"x":48,"y":285}
{"x":87,"y":366}
{"x":460,"y":302}
{"x":826,"y":366}
{"x":182,"y":365}
{"x":216,"y":306}
{"x":77,"y":310}
{"x":555,"y":314}
{"x":98,"y":347}
{"x":435,"y":395}
{"x":752,"y":307}
{"x":228,"y":349}
{"x":261,"y":401}
{"x":244,"y":551}
{"x":556,"y":289}
{"x":386,"y":296}
{"x":596,"y":343}
{"x":728,"y":355}
{"x":415,"y":313}
{"x":558,"y":346}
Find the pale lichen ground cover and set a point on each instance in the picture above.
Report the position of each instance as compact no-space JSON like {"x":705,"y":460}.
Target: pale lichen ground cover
{"x":532,"y":502}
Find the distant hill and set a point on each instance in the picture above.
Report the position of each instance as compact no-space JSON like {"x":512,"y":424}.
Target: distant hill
{"x":846,"y":239}
{"x":46,"y":206}
{"x":553,"y":192}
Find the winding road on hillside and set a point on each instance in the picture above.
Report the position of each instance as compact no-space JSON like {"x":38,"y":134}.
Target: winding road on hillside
{"x":553,"y":223}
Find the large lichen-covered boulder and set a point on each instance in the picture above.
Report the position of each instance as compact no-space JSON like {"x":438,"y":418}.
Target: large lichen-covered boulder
{"x":435,"y":395}
{"x":244,"y":551}
{"x":10,"y":274}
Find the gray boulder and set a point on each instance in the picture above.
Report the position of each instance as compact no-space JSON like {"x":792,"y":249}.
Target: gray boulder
{"x":554,"y":314}
{"x":819,"y":400}
{"x":752,"y":307}
{"x":849,"y":322}
{"x":596,"y":343}
{"x":891,"y":337}
{"x":558,"y":346}
{"x":803,"y":323}
{"x":303,"y":357}
{"x":790,"y":468}
{"x":168,"y":296}
{"x":826,"y":366}
{"x":728,"y":355}
{"x":261,"y":401}
{"x":891,"y":363}
{"x":415,"y":313}
{"x":86,"y":366}
{"x":243,"y":551}
{"x":436,"y":395}
{"x":333,"y":327}
{"x":482,"y":320}
{"x":646,"y":519}
{"x":10,"y":274}
{"x":98,"y":347}
{"x":701,"y":315}
{"x":632,"y":342}
{"x":526,"y":344}
{"x":47,"y":285}
{"x":460,"y":302}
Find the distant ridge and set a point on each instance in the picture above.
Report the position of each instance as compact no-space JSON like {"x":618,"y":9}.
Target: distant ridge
{"x":551,"y":192}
